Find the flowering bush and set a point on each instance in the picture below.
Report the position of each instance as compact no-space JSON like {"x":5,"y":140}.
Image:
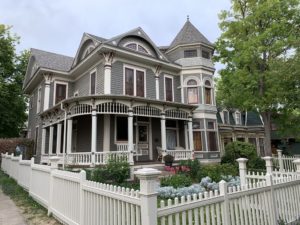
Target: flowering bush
{"x":206,"y":184}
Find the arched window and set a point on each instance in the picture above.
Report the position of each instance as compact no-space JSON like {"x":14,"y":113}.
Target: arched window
{"x":137,"y":47}
{"x":192,"y":92}
{"x":208,"y":92}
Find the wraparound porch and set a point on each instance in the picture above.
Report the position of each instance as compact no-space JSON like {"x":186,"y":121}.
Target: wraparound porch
{"x":91,"y":130}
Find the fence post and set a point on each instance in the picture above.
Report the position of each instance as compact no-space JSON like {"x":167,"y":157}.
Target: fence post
{"x":280,"y":161}
{"x":19,"y":168}
{"x":297,"y":163}
{"x":81,"y":197}
{"x":223,"y":192}
{"x":242,"y":170}
{"x":269,"y":164}
{"x":148,"y":182}
{"x":274,"y":208}
{"x":30,"y":181}
{"x":53,"y":166}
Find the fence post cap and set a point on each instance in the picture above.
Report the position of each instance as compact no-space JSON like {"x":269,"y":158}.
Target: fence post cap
{"x":241,"y":160}
{"x":147,"y":173}
{"x":267,"y":158}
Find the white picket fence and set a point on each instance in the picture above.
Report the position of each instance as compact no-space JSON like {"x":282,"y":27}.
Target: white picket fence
{"x":73,"y":200}
{"x":283,"y":162}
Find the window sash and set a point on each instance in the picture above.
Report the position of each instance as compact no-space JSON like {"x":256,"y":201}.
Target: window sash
{"x":192,"y":93}
{"x":169,"y":89}
{"x":61,"y":92}
{"x":93,"y":83}
{"x":197,"y":141}
{"x":129,"y":81}
{"x":140,"y":83}
{"x":207,"y":95}
{"x":190,"y":53}
{"x":212,"y":141}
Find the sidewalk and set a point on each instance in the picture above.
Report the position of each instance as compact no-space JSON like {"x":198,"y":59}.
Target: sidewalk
{"x":9,"y":213}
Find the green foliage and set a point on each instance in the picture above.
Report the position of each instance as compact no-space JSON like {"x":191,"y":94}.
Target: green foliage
{"x":12,"y":71}
{"x":168,"y":158}
{"x":115,"y":172}
{"x":193,"y":165}
{"x":217,"y":171}
{"x":177,"y":180}
{"x":237,"y":149}
{"x":257,"y":47}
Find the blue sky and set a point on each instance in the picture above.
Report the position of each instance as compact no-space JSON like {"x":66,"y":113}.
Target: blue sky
{"x":58,"y":25}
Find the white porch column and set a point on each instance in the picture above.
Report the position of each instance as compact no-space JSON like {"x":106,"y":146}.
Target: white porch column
{"x":163,"y":134}
{"x":186,"y":140}
{"x":51,"y":140}
{"x":191,"y":138}
{"x":108,"y":57}
{"x":43,"y":147}
{"x":69,"y":135}
{"x":130,"y":136}
{"x":94,"y":136}
{"x":157,"y":87}
{"x":106,"y":133}
{"x":47,"y":93}
{"x":58,"y":138}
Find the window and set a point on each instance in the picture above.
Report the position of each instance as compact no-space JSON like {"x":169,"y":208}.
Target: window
{"x":226,"y":117}
{"x":93,"y":83}
{"x":190,"y":53}
{"x":171,"y":134}
{"x":212,"y":141}
{"x":121,"y":128}
{"x":192,"y":92}
{"x":210,"y":125}
{"x":205,"y":54}
{"x":169,"y":89}
{"x":60,"y":92}
{"x":39,"y":97}
{"x":238,"y":118}
{"x":197,"y":140}
{"x":252,"y":141}
{"x":134,"y":82}
{"x":137,"y":47}
{"x":208,"y":90}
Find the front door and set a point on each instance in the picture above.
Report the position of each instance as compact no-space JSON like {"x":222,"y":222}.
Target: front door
{"x":142,"y":142}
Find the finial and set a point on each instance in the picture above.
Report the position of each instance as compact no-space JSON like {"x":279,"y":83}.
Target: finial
{"x":188,"y":18}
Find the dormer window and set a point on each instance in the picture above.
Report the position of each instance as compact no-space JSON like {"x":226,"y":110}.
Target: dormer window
{"x":238,"y":118}
{"x":190,"y":53}
{"x":226,"y":117}
{"x":137,"y":47}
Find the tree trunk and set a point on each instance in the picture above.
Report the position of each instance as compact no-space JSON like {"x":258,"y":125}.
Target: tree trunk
{"x":266,"y":116}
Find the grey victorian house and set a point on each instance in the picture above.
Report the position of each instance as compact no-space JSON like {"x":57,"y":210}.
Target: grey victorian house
{"x":125,"y":97}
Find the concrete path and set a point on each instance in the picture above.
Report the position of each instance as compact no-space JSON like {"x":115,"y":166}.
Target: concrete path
{"x":9,"y":212}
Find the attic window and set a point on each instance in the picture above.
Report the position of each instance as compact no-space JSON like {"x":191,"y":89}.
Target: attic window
{"x":190,"y":53}
{"x":137,"y":47}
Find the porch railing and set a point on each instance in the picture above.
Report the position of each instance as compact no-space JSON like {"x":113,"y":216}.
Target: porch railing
{"x":180,"y":154}
{"x":102,"y":158}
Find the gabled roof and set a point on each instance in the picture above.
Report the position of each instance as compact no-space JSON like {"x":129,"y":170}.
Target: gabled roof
{"x":52,"y":60}
{"x":100,"y":39}
{"x":189,"y":34}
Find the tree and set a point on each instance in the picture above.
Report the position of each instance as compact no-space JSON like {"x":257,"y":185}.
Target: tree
{"x":12,"y":71}
{"x":259,"y":38}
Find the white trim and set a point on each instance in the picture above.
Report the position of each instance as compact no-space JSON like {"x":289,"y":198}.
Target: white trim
{"x":54,"y":94}
{"x":90,"y":87}
{"x":39,"y":99}
{"x":134,"y":68}
{"x":172,"y":78}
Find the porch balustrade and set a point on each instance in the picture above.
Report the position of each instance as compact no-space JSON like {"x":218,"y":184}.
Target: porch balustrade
{"x":180,"y":154}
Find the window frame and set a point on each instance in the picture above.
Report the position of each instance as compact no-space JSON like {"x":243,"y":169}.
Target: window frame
{"x":165,"y":93}
{"x":209,"y":55}
{"x":90,"y":85}
{"x":134,"y":68}
{"x":211,"y":92}
{"x":190,"y":50}
{"x":39,"y":100}
{"x":193,"y":86}
{"x":236,"y":118}
{"x":137,"y":44}
{"x":67,"y":90}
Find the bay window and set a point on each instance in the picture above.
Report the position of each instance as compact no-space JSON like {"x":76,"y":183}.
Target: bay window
{"x":192,"y":92}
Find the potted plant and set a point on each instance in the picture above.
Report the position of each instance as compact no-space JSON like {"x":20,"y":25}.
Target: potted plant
{"x":168,"y":159}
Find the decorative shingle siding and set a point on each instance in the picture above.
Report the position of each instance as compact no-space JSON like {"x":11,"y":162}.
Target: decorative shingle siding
{"x":82,"y":85}
{"x":70,"y":89}
{"x":150,"y":84}
{"x":117,"y":78}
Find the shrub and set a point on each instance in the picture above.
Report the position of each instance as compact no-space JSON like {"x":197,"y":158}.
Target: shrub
{"x":9,"y":145}
{"x":193,"y":165}
{"x":217,"y":171}
{"x":177,"y":180}
{"x":237,"y":149}
{"x":115,"y":172}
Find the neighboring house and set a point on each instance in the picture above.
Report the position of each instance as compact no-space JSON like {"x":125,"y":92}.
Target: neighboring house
{"x":125,"y":97}
{"x":241,"y":126}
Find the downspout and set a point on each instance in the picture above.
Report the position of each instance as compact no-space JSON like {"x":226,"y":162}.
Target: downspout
{"x":65,"y":134}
